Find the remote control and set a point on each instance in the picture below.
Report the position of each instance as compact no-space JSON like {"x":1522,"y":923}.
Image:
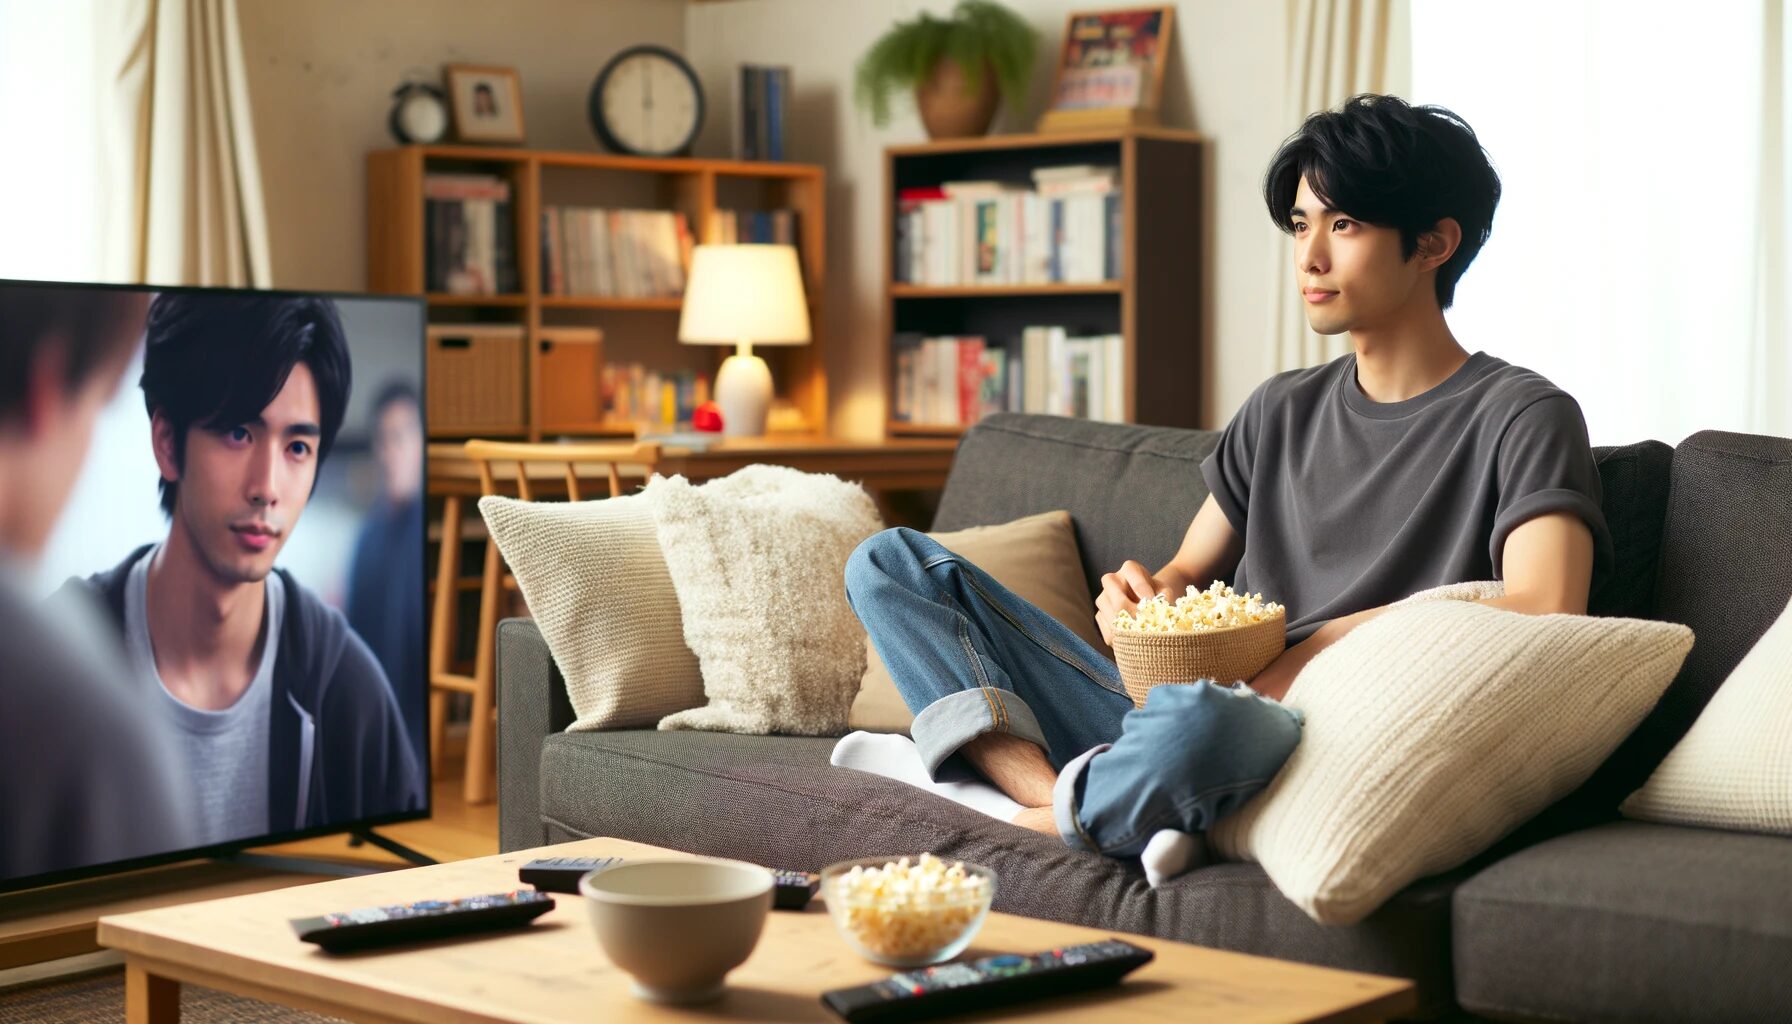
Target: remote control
{"x":793,"y":889}
{"x":425,"y":919}
{"x":562,"y":874}
{"x":992,"y":981}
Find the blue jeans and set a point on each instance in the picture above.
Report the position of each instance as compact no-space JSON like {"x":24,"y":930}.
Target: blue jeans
{"x":970,"y":657}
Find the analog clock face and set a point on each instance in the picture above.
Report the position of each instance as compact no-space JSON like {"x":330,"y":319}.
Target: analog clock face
{"x":649,"y":104}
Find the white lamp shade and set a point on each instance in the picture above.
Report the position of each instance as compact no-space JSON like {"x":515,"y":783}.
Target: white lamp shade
{"x":751,"y":293}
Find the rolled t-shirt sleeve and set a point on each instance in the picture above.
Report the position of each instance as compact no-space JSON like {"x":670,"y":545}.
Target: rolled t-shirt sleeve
{"x":1546,"y":465}
{"x":1227,"y":469}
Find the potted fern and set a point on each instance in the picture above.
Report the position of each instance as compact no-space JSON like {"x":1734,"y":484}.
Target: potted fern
{"x":958,"y":67}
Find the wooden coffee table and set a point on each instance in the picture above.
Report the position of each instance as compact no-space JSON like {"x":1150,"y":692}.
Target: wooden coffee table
{"x":553,"y":969}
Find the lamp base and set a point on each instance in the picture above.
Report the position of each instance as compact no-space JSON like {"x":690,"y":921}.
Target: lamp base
{"x":744,"y":392}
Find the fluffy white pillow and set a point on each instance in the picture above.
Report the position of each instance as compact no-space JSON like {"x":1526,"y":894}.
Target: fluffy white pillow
{"x":600,"y":593}
{"x":756,"y":558}
{"x":1733,"y":769}
{"x":1433,"y":730}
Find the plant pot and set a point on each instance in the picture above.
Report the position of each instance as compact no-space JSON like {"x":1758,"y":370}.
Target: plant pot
{"x":954,"y":106}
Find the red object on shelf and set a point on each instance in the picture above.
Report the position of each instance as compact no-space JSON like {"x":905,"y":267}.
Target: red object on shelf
{"x":707,"y":417}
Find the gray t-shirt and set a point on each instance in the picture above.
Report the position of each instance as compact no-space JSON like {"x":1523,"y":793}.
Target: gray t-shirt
{"x":1346,"y":503}
{"x":224,"y":752}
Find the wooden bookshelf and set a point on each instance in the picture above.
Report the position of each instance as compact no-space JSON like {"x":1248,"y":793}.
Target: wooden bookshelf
{"x":1154,"y":305}
{"x":643,"y":330}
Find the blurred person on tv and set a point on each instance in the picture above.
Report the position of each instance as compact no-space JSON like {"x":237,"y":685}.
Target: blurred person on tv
{"x":284,"y":717}
{"x":85,"y":777}
{"x":385,"y":579}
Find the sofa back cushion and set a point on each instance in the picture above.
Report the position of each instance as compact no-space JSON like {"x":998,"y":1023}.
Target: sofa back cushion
{"x":1130,"y":490}
{"x":1725,"y":570}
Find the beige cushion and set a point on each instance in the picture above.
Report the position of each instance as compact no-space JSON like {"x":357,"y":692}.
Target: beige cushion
{"x":1037,"y":558}
{"x":1733,"y":769}
{"x":599,"y":590}
{"x":757,"y":559}
{"x":1433,"y":730}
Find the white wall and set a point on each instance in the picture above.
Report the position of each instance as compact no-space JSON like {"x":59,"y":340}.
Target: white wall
{"x":1225,"y":81}
{"x":321,"y":73}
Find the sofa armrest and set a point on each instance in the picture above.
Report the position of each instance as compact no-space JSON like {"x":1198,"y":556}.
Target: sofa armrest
{"x":532,"y":705}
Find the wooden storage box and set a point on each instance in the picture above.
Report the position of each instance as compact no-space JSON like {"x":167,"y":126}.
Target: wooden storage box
{"x":572,"y":366}
{"x":475,"y":380}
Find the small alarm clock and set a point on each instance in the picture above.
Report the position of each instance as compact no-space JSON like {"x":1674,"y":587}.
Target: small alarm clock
{"x":646,"y":102}
{"x":419,"y":113}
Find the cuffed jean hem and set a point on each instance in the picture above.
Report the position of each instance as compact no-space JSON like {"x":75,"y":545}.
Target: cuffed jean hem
{"x":958,"y":718}
{"x":1070,"y":828}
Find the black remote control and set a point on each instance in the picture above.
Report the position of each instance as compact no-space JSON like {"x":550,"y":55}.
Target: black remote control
{"x":992,"y":981}
{"x":562,"y":874}
{"x":425,"y":919}
{"x":793,"y":889}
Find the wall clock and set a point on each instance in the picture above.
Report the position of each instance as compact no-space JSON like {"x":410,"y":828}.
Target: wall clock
{"x":646,"y":102}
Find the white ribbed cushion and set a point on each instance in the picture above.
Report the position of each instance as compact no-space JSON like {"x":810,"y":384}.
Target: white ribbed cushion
{"x":598,"y":588}
{"x":1733,"y":769}
{"x":1433,"y":730}
{"x":757,"y":558}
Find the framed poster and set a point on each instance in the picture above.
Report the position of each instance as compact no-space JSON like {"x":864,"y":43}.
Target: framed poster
{"x":1111,"y":68}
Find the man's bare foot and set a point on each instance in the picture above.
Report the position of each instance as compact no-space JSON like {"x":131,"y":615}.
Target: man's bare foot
{"x":1039,"y":819}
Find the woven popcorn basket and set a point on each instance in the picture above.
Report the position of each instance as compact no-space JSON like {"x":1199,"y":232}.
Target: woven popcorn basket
{"x":1223,"y":655}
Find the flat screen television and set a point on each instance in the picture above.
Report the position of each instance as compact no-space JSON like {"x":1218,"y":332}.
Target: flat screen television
{"x":257,"y":473}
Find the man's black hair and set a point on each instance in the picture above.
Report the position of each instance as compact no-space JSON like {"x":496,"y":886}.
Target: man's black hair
{"x":215,"y":361}
{"x":1382,"y":161}
{"x":91,"y":327}
{"x":396,"y":391}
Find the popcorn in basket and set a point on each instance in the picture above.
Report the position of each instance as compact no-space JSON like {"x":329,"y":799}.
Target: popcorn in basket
{"x":1205,"y":634}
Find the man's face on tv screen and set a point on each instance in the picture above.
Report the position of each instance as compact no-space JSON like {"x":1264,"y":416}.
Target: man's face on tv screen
{"x":244,"y":487}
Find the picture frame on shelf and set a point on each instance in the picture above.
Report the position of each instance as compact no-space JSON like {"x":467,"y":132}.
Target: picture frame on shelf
{"x":1110,"y":69}
{"x":487,"y":103}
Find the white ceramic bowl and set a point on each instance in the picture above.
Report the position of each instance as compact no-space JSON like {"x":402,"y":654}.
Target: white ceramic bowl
{"x":678,"y":926}
{"x":910,"y":931}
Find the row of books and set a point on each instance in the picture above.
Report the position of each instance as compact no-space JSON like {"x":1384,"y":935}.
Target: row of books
{"x":956,"y":381}
{"x":1066,"y":228}
{"x":630,"y":254}
{"x":469,"y":232}
{"x":769,"y":227}
{"x":634,"y":394}
{"x":763,"y":98}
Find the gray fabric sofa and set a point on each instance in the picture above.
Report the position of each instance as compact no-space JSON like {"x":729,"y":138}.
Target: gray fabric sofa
{"x":1576,"y":916}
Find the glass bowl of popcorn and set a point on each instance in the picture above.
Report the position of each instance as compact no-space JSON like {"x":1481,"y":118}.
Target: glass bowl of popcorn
{"x":1215,"y":634}
{"x":908,"y":911}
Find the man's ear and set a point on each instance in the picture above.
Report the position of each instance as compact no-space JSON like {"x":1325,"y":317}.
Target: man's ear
{"x":166,"y":442}
{"x":1439,"y":244}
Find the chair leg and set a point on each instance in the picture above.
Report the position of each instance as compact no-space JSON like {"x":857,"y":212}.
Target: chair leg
{"x":442,"y":625}
{"x":482,"y":738}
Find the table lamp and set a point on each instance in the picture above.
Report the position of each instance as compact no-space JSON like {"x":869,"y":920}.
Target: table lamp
{"x":744,"y":295}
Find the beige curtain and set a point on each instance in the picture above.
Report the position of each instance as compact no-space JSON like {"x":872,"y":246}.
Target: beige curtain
{"x":184,"y":202}
{"x":1337,"y":48}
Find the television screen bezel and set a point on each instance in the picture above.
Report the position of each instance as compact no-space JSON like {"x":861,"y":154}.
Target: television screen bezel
{"x":219,"y":850}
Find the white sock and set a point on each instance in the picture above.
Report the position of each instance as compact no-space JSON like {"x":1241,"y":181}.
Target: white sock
{"x":1169,"y":853}
{"x":895,"y":756}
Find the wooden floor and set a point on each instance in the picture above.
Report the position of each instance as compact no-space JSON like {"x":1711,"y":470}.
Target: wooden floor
{"x":454,"y":830}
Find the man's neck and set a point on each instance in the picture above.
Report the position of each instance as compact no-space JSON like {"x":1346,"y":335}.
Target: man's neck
{"x":1407,"y":356}
{"x":205,"y":633}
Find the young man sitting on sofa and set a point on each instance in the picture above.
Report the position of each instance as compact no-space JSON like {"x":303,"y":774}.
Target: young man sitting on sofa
{"x":1335,"y":490}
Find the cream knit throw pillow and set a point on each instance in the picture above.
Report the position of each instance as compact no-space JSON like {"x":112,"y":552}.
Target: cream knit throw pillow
{"x":1733,"y":769}
{"x":598,"y":588}
{"x":1433,"y":730}
{"x":756,"y":558}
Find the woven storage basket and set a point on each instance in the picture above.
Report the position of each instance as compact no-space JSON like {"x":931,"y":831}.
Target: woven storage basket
{"x":1223,"y":655}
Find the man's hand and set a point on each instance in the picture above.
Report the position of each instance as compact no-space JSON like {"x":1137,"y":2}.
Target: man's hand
{"x":1123,"y":590}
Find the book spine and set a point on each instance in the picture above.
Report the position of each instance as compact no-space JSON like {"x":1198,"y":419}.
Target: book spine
{"x":970,"y":379}
{"x":774,"y":113}
{"x":749,"y":113}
